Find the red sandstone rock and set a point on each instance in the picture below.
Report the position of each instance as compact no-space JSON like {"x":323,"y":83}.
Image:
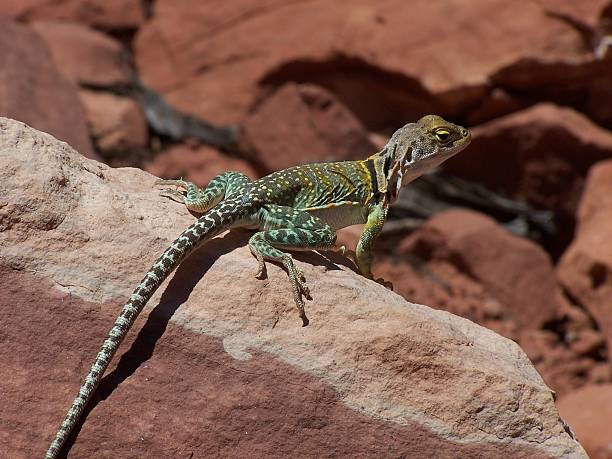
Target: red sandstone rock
{"x":565,"y":368}
{"x":463,"y":262}
{"x":222,"y":365}
{"x":197,"y":164}
{"x":589,"y":413}
{"x":33,"y":91}
{"x":585,"y":269}
{"x":444,"y":286}
{"x":103,"y":14}
{"x":84,"y":55}
{"x":514,"y":272}
{"x":303,"y":124}
{"x":540,"y":154}
{"x":388,"y":61}
{"x":117,"y":123}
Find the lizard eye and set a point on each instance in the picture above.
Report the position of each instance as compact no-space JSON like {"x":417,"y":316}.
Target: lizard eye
{"x":443,"y":135}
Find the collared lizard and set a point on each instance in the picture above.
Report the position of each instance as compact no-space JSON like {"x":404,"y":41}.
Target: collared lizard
{"x":299,"y":208}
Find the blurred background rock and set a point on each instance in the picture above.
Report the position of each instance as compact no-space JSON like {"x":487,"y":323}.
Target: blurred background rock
{"x":514,"y":233}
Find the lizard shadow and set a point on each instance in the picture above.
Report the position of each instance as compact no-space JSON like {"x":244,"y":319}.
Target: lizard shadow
{"x":179,"y":288}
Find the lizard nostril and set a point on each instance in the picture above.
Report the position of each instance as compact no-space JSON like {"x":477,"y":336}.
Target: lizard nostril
{"x":464,"y":132}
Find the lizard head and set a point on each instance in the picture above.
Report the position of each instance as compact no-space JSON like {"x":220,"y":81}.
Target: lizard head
{"x":419,"y":147}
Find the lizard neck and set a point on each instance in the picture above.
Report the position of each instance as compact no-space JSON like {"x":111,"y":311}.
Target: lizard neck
{"x":379,"y":169}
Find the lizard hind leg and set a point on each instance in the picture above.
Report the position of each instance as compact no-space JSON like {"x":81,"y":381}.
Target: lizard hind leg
{"x":290,"y":229}
{"x":201,"y":200}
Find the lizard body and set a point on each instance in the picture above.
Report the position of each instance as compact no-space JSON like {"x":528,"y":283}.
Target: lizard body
{"x":298,"y":208}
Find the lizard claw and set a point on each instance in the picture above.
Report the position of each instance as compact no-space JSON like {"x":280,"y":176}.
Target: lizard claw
{"x":384,"y":283}
{"x":350,"y":254}
{"x":175,"y":195}
{"x":302,"y":283}
{"x":179,"y":183}
{"x":261,"y":268}
{"x":340,"y":249}
{"x":300,"y":275}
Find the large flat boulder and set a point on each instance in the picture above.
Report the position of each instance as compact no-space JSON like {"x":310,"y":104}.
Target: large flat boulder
{"x":219,"y":364}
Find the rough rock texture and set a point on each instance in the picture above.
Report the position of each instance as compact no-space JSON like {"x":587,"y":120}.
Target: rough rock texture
{"x":104,"y":14}
{"x":33,"y":91}
{"x":117,"y":124}
{"x":589,"y":412}
{"x":197,"y":164}
{"x":464,"y":262}
{"x":226,"y":369}
{"x":389,"y":61}
{"x":540,"y":154}
{"x":303,"y":123}
{"x":84,"y":55}
{"x":515,"y":274}
{"x":585,"y":269}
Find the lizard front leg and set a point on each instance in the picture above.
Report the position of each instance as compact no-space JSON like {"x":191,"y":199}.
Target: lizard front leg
{"x":364,"y":253}
{"x":290,"y":229}
{"x":200,"y":201}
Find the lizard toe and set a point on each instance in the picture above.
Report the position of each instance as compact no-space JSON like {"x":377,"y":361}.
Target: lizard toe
{"x":163,"y":182}
{"x":174,"y":195}
{"x":384,"y":283}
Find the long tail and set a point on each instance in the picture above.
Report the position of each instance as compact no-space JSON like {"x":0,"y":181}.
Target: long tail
{"x":215,"y":221}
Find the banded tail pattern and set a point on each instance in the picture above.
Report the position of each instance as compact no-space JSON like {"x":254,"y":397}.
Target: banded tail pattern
{"x":217,"y":220}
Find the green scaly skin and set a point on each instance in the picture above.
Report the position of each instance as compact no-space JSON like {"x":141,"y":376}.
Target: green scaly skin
{"x":299,"y":208}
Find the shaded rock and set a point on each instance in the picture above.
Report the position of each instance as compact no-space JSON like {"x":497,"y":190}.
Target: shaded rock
{"x":84,"y":55}
{"x":303,"y":124}
{"x":589,"y":414}
{"x":372,"y":374}
{"x":197,"y":164}
{"x":117,"y":123}
{"x":540,"y":154}
{"x":585,"y":269}
{"x":104,"y":14}
{"x":376,"y":56}
{"x":33,"y":91}
{"x":497,"y":103}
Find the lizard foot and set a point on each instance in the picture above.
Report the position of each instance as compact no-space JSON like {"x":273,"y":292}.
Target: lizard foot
{"x":300,"y":305}
{"x":341,"y":249}
{"x":301,"y":280}
{"x":300,"y":289}
{"x":384,"y":283}
{"x":350,"y":254}
{"x":261,"y":266}
{"x":179,"y":183}
{"x":175,"y":195}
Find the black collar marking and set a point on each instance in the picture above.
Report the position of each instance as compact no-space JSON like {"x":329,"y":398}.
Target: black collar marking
{"x":373,"y":176}
{"x":387,"y":165}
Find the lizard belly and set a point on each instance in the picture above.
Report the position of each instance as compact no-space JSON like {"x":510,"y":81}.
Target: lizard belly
{"x":340,"y":215}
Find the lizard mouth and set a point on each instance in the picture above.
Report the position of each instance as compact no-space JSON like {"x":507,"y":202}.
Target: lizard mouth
{"x":463,"y":141}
